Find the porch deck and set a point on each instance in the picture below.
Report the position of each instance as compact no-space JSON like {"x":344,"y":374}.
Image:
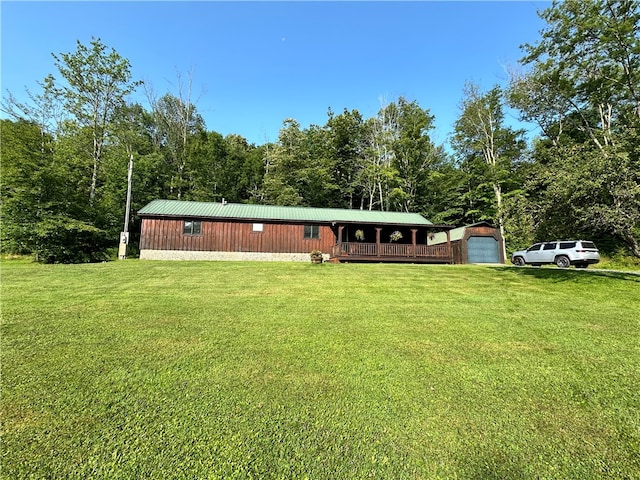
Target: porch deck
{"x":391,"y":252}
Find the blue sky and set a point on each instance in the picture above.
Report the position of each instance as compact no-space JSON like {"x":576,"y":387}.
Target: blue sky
{"x":254,"y":64}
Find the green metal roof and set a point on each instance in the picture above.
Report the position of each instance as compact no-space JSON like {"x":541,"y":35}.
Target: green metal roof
{"x":455,"y":234}
{"x":178,"y":208}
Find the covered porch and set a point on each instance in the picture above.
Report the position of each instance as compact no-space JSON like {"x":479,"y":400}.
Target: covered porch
{"x":395,"y":243}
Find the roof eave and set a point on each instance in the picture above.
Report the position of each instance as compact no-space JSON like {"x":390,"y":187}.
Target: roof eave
{"x":299,"y":221}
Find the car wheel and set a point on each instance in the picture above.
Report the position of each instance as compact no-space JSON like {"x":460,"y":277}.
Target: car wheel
{"x":563,"y":261}
{"x":518,"y":262}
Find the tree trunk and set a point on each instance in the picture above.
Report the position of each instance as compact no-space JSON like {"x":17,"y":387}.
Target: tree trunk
{"x":94,"y":181}
{"x":633,"y":244}
{"x":498,"y":193}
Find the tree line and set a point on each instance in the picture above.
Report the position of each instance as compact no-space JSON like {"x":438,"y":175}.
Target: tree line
{"x":65,"y":152}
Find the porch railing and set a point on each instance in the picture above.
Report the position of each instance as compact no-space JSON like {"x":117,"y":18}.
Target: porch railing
{"x":440,"y":252}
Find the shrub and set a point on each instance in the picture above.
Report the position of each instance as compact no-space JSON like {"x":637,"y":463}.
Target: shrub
{"x":316,"y":255}
{"x":61,"y":239}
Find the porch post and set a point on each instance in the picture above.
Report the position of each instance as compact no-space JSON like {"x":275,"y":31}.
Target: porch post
{"x":449,"y":247}
{"x":340,"y":229}
{"x":378,"y":230}
{"x":414,"y":231}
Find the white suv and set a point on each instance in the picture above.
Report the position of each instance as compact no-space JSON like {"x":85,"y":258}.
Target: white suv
{"x":563,"y":253}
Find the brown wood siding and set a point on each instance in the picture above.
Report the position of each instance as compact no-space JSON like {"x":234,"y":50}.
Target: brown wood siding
{"x":482,"y":231}
{"x":166,"y":234}
{"x":456,"y":252}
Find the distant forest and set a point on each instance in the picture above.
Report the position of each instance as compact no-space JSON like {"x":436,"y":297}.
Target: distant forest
{"x":65,"y":152}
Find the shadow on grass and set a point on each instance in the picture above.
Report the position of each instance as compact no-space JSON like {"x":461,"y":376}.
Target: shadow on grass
{"x":564,"y":275}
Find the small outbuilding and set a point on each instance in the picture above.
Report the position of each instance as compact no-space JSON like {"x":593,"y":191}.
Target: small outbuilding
{"x":477,"y":243}
{"x":181,"y":230}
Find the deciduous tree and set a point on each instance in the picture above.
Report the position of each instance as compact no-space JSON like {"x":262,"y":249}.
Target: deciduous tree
{"x":96,"y":82}
{"x":487,"y":147}
{"x":29,"y":181}
{"x":346,"y":149}
{"x":582,"y":88}
{"x":415,"y":156}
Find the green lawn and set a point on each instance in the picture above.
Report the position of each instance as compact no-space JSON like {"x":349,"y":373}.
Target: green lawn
{"x":163,"y":370}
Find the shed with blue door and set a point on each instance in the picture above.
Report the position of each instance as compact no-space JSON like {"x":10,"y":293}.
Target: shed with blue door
{"x":477,"y":243}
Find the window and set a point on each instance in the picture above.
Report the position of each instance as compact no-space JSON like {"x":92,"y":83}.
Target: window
{"x":549,"y":246}
{"x":258,"y":227}
{"x":191,"y":228}
{"x":534,"y":248}
{"x":566,"y":245}
{"x":312,"y":231}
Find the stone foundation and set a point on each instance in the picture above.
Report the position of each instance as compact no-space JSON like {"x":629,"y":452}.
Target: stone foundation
{"x":233,"y":256}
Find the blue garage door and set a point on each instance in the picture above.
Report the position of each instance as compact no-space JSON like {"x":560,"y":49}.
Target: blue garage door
{"x":483,"y":250}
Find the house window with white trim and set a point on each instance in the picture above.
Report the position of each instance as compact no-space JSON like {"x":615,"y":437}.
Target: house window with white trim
{"x":311,"y":231}
{"x":191,"y":227}
{"x":258,"y":227}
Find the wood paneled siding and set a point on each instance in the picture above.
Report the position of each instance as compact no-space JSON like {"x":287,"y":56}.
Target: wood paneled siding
{"x":482,"y":231}
{"x":219,"y":236}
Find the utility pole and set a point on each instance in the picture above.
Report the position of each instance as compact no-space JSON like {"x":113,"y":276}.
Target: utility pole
{"x":124,"y":235}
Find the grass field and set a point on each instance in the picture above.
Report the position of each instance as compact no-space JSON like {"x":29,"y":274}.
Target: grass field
{"x":161,"y":370}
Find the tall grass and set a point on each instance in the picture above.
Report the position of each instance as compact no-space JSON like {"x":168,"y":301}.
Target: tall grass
{"x":618,"y":261}
{"x":272,"y":370}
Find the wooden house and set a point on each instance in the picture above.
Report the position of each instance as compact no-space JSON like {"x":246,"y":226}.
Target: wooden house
{"x":173,"y":229}
{"x":477,"y":243}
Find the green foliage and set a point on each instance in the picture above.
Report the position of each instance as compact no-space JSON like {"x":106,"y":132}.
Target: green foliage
{"x":299,"y":169}
{"x":176,"y":127}
{"x":582,"y":90}
{"x":60,"y":239}
{"x":589,"y":53}
{"x":578,"y":189}
{"x":346,"y":151}
{"x":398,"y":158}
{"x":32,"y":184}
{"x":270,"y":370}
{"x":520,"y":227}
{"x":415,"y":155}
{"x":443,"y":197}
{"x":96,"y":83}
{"x":618,"y":260}
{"x":242,"y":171}
{"x":65,"y":156}
{"x":86,"y":134}
{"x":488,"y":152}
